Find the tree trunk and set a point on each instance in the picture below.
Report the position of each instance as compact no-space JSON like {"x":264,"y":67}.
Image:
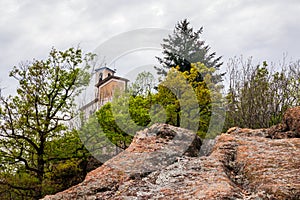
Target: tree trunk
{"x":41,"y":170}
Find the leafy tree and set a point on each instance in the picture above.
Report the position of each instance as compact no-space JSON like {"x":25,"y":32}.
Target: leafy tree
{"x":112,"y":131}
{"x":258,"y":95}
{"x":66,"y":164}
{"x":144,"y":83}
{"x":128,"y":113}
{"x":188,"y":102}
{"x":94,"y":139}
{"x":123,"y":117}
{"x":184,"y":47}
{"x":33,"y":122}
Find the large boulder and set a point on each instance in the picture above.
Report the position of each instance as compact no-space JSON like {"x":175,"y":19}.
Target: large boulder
{"x":162,"y":163}
{"x":151,"y":150}
{"x":289,"y":127}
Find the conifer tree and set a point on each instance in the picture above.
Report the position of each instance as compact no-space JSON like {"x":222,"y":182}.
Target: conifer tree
{"x":184,"y":47}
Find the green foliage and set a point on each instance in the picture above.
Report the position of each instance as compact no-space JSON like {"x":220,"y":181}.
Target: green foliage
{"x":188,"y":102}
{"x":113,"y":132}
{"x":180,"y":100}
{"x":258,"y":96}
{"x":184,"y":47}
{"x":120,"y":119}
{"x":143,"y":84}
{"x":33,"y":131}
{"x":63,"y":175}
{"x":123,"y":117}
{"x":184,"y":51}
{"x":93,"y":137}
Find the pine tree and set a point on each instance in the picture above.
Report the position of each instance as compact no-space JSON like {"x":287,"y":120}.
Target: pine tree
{"x":184,"y":47}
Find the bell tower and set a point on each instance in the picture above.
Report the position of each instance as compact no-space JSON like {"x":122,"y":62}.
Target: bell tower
{"x":106,"y":82}
{"x":102,"y":73}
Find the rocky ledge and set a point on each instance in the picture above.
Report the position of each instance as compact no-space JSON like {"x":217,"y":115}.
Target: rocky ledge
{"x":163,"y":163}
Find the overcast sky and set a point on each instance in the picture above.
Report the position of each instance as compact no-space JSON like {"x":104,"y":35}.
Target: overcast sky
{"x":262,"y":29}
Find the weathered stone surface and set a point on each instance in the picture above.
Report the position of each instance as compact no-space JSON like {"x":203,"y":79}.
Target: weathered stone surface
{"x":262,"y":167}
{"x":160,"y":164}
{"x":292,"y":119}
{"x":206,"y":147}
{"x":151,"y":150}
{"x":289,"y":127}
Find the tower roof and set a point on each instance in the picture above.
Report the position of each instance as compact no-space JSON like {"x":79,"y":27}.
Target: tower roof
{"x":104,"y":68}
{"x":101,"y":82}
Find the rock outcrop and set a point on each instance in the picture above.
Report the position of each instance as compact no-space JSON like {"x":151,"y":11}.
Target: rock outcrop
{"x":163,"y":163}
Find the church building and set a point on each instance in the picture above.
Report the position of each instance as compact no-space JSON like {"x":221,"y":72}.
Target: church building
{"x":106,"y":83}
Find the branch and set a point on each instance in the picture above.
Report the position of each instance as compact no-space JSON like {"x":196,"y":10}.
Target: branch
{"x":15,"y":186}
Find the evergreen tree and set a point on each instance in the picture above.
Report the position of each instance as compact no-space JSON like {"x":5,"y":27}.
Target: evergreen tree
{"x":184,"y":47}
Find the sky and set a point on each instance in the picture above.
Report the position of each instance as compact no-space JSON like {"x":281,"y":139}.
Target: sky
{"x":29,"y":29}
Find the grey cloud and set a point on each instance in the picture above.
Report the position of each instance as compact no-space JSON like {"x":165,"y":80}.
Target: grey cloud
{"x":264,"y":29}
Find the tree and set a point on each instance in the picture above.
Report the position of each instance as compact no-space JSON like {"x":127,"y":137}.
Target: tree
{"x":188,"y":102}
{"x":107,"y":120}
{"x":185,"y":52}
{"x":259,"y":95}
{"x":35,"y":118}
{"x":94,"y":139}
{"x":143,"y":84}
{"x":128,"y":113}
{"x":184,"y":47}
{"x":123,"y":117}
{"x":67,"y":162}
